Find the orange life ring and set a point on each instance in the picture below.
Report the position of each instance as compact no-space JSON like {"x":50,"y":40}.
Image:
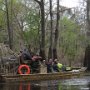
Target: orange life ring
{"x":23,"y":66}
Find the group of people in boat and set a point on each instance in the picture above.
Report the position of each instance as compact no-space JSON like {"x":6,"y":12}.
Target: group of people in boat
{"x":55,"y":66}
{"x":34,"y":62}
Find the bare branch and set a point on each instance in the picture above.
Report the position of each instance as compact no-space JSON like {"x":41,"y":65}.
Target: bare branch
{"x":38,"y":2}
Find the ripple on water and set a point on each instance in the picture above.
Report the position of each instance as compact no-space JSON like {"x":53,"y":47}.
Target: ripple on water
{"x":83,"y":81}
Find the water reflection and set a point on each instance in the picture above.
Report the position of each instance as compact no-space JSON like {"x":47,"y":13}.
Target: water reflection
{"x":68,"y":84}
{"x":27,"y":87}
{"x":77,"y":84}
{"x":88,"y":87}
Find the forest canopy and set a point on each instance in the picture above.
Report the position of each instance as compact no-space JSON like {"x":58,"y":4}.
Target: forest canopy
{"x":47,"y":28}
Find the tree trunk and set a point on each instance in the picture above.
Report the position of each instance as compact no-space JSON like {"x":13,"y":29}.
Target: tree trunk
{"x":8,"y":25}
{"x":42,"y":49}
{"x":87,"y":52}
{"x":50,"y":53}
{"x":87,"y":58}
{"x":11,"y":24}
{"x":56,"y":33}
{"x":42,"y":44}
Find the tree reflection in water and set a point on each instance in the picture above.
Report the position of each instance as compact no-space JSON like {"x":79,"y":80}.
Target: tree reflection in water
{"x":88,"y":85}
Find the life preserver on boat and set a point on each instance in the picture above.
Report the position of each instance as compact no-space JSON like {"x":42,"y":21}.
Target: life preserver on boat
{"x":21,"y":67}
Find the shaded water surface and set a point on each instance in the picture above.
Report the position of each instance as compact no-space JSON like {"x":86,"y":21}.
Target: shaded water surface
{"x":67,"y":84}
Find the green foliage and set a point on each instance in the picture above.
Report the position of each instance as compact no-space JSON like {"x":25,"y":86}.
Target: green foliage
{"x":3,"y":32}
{"x":31,"y":32}
{"x":25,"y":22}
{"x":70,"y":37}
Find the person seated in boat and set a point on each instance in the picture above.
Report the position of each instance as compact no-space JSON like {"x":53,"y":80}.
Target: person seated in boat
{"x":54,"y":66}
{"x":49,"y":66}
{"x":35,"y":64}
{"x":60,"y":66}
{"x":36,"y":57}
{"x":27,"y":55}
{"x":24,"y":55}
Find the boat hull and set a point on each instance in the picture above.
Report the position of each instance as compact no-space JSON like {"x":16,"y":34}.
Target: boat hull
{"x":39,"y":77}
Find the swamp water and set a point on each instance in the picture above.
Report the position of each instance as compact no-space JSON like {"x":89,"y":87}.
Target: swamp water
{"x":66,"y":84}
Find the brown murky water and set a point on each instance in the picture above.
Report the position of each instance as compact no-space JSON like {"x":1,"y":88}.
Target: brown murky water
{"x":67,"y":84}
